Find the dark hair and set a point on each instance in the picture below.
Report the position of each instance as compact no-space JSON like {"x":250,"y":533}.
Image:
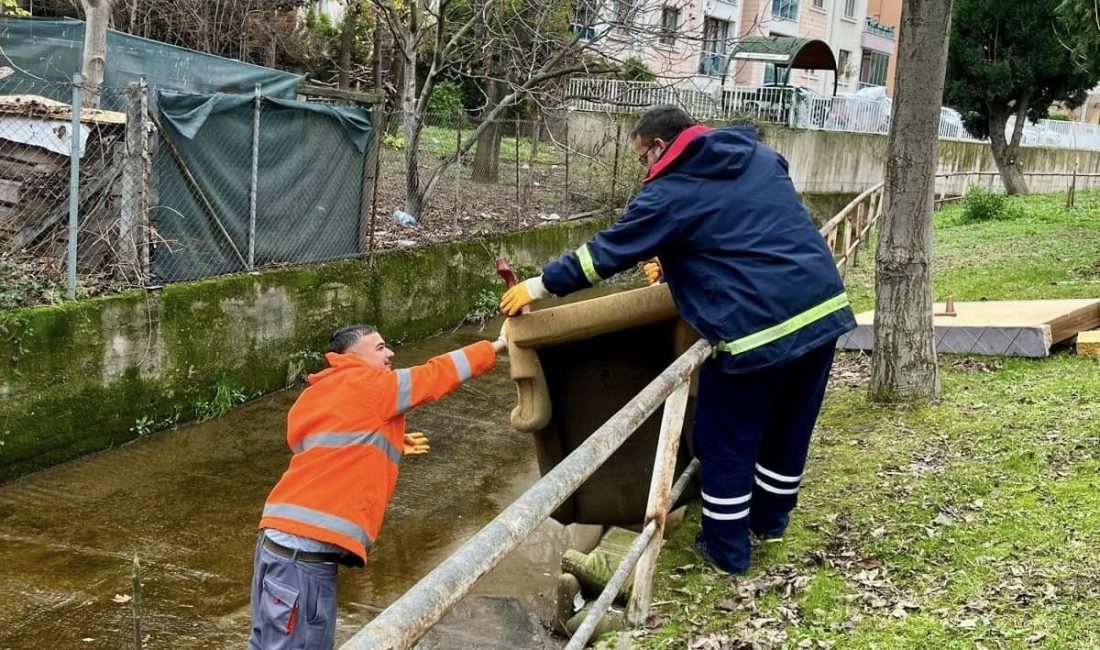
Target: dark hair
{"x":345,"y":337}
{"x":664,"y":122}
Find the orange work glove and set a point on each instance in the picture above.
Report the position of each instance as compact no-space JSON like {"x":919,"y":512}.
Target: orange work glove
{"x":416,"y":443}
{"x":653,"y":271}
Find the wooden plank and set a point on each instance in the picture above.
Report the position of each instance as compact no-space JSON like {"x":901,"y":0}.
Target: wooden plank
{"x":1088,"y":344}
{"x":14,"y":170}
{"x":1023,"y":313}
{"x":34,"y":106}
{"x":32,"y":155}
{"x":10,"y":191}
{"x":664,"y":474}
{"x":1083,"y":318}
{"x":33,"y":231}
{"x":355,"y":96}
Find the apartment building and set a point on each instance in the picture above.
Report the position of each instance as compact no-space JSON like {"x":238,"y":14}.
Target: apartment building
{"x":688,"y":42}
{"x":878,"y":57}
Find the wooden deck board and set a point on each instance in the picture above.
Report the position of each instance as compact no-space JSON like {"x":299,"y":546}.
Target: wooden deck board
{"x":1012,"y":327}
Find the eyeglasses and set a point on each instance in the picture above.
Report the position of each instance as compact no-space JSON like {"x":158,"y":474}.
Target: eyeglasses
{"x":642,"y":158}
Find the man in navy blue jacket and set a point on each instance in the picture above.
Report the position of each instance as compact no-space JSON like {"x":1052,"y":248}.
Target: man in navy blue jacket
{"x":749,"y":271}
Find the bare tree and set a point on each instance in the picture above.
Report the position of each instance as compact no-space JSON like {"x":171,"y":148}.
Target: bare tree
{"x":513,"y":51}
{"x":905,"y":367}
{"x":246,"y":29}
{"x":97,"y":17}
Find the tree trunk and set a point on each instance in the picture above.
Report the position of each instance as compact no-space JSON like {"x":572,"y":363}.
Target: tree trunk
{"x":97,"y":17}
{"x":347,"y":42}
{"x":411,"y":119}
{"x":904,"y":365}
{"x":273,"y":39}
{"x":487,"y":158}
{"x":395,"y":73}
{"x":1006,"y":153}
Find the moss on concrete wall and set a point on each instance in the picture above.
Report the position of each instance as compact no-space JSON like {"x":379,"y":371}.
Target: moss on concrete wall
{"x":87,"y":375}
{"x":825,"y":205}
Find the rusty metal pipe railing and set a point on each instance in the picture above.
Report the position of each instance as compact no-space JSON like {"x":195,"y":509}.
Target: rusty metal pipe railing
{"x":407,"y":619}
{"x":618,"y":579}
{"x":638,"y":547}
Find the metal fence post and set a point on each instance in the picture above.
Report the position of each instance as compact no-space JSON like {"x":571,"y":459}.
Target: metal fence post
{"x":568,"y":200}
{"x":664,"y":473}
{"x":74,"y":184}
{"x":615,"y":162}
{"x":372,"y":169}
{"x":254,"y":188}
{"x":516,"y":130}
{"x":458,"y":167}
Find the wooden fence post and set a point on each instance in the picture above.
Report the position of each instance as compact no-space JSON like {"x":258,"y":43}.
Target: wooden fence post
{"x":133,"y":223}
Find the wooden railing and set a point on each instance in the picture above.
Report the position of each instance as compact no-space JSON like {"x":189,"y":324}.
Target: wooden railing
{"x":848,"y":230}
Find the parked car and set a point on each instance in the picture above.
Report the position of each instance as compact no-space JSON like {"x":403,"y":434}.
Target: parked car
{"x":773,"y":102}
{"x":865,"y":111}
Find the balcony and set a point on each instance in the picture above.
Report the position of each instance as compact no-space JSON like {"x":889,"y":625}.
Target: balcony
{"x":872,"y":26}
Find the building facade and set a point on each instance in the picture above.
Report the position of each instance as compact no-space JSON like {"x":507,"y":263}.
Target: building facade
{"x":878,"y":54}
{"x":687,"y":42}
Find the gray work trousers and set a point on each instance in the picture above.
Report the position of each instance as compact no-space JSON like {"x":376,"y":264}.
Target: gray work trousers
{"x":293,"y":603}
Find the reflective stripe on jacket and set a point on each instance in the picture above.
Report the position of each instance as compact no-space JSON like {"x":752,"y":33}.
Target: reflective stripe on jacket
{"x":745,"y":264}
{"x":347,"y":434}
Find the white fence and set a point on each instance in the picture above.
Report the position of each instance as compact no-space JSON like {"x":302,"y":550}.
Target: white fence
{"x":799,"y":108}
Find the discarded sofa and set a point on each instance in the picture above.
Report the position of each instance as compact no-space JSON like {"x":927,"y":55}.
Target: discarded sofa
{"x":574,"y":366}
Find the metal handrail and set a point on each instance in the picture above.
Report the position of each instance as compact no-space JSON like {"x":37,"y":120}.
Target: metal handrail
{"x":411,"y":615}
{"x":414,"y":613}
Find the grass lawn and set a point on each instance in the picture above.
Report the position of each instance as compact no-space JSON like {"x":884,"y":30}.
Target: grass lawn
{"x":973,"y":523}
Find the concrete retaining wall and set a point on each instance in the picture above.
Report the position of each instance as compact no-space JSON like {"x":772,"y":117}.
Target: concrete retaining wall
{"x":835,"y":162}
{"x":87,"y":375}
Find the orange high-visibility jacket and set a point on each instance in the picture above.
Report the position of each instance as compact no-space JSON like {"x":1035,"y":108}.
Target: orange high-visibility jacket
{"x":347,"y":434}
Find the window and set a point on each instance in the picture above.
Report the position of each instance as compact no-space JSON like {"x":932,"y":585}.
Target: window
{"x":872,"y":69}
{"x":715,"y":39}
{"x":785,"y":9}
{"x":583,"y":19}
{"x":670,"y":24}
{"x":819,"y":4}
{"x":774,"y":76}
{"x":849,"y":8}
{"x":842,"y":63}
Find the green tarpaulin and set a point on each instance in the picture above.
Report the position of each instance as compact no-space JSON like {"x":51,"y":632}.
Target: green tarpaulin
{"x":309,"y":183}
{"x":47,"y":52}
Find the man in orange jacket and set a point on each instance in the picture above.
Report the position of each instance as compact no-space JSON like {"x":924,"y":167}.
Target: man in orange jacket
{"x":347,"y":432}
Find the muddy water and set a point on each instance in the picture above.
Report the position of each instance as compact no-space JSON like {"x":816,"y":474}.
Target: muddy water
{"x":187,"y":502}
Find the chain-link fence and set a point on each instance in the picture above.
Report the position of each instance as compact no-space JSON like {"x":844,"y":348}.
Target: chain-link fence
{"x":250,"y":182}
{"x":182,"y":186}
{"x":514,"y":173}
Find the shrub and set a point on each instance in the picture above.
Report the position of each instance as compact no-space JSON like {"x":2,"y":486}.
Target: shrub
{"x":446,"y":102}
{"x":982,"y":205}
{"x":393,"y":141}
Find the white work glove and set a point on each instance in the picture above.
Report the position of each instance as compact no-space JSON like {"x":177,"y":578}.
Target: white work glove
{"x":501,"y":344}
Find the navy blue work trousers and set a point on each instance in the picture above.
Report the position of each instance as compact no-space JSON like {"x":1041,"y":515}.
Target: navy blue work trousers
{"x":751,"y":435}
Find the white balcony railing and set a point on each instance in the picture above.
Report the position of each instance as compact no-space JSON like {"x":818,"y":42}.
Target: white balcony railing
{"x":799,"y":108}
